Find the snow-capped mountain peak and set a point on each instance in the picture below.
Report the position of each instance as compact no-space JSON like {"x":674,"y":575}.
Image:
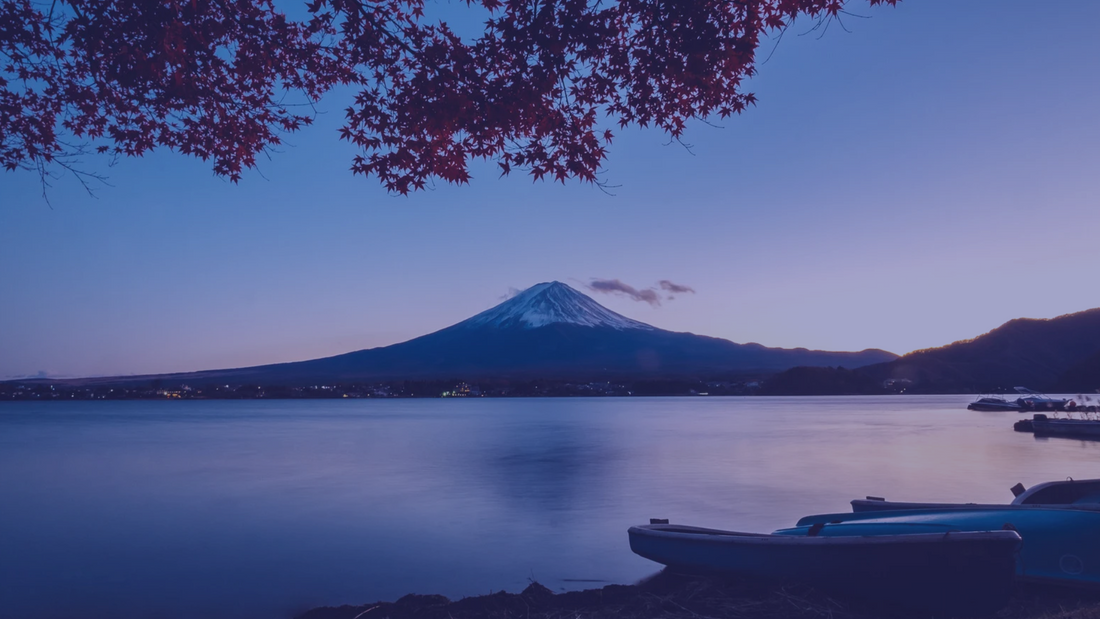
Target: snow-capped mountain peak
{"x":549,"y":303}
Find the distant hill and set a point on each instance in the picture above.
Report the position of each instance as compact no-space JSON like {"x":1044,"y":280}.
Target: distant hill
{"x":549,"y":331}
{"x":821,"y":381}
{"x":1029,"y":352}
{"x":1081,"y":378}
{"x":1058,"y":355}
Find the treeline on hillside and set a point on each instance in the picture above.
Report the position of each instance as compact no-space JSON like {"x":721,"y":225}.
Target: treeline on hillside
{"x":1058,"y":355}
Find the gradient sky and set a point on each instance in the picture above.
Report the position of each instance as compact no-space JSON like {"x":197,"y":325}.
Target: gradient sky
{"x":919,"y":180}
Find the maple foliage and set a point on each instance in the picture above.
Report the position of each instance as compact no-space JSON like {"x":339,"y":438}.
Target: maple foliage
{"x":539,"y":89}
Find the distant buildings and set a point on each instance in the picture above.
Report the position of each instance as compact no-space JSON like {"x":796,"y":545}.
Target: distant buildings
{"x":462,"y":390}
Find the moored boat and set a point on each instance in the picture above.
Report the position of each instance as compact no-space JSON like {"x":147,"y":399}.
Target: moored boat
{"x":1023,"y":425}
{"x":1061,"y":546}
{"x":1042,"y":425}
{"x":1068,"y":494}
{"x":993,"y":403}
{"x":932,"y":567}
{"x":1042,"y":404}
{"x":1035,"y":401}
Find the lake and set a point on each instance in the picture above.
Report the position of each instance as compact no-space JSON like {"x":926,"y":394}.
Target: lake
{"x":262,"y":509}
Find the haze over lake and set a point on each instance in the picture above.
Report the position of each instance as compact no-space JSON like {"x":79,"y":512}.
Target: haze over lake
{"x":249,"y":509}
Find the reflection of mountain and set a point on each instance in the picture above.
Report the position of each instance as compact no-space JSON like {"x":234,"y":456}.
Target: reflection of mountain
{"x":545,"y":467}
{"x":547,"y":331}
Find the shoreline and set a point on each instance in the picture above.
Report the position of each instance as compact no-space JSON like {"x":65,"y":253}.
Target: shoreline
{"x":98,"y":395}
{"x":672,"y":596}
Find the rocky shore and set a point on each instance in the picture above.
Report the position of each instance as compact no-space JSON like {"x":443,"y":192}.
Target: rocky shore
{"x":670,"y":596}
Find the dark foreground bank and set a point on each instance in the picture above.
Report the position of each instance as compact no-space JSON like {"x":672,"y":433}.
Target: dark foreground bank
{"x":670,"y":596}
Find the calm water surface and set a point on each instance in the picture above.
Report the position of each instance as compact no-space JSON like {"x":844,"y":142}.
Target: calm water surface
{"x":262,"y":509}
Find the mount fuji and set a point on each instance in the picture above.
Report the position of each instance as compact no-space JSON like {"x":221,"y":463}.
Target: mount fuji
{"x":549,"y":331}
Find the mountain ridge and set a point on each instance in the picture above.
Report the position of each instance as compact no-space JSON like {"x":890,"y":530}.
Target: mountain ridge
{"x":1034,"y":352}
{"x":1060,"y":354}
{"x":549,"y":331}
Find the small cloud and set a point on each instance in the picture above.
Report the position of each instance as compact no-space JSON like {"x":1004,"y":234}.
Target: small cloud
{"x":674,"y":288}
{"x":512,"y":291}
{"x":614,"y":286}
{"x":652,"y":295}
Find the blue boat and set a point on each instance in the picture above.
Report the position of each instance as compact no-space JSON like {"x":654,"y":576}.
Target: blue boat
{"x":1068,"y":494}
{"x":1060,"y":546}
{"x":932,"y":566}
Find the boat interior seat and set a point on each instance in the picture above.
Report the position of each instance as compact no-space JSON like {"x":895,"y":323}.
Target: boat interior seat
{"x":1066,"y":494}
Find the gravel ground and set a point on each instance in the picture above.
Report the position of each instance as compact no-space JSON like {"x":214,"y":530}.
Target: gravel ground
{"x":670,"y":596}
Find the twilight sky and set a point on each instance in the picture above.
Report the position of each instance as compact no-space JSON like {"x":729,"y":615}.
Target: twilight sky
{"x":919,"y":180}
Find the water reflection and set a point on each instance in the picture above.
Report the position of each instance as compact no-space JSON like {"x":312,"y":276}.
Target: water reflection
{"x":542,"y":464}
{"x":258,"y":509}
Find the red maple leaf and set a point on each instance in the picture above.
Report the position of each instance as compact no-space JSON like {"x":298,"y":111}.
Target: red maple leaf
{"x":222,"y":79}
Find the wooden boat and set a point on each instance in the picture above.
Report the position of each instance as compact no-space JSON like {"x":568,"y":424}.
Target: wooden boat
{"x":1060,"y":546}
{"x":1069,"y":494}
{"x":931,"y":567}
